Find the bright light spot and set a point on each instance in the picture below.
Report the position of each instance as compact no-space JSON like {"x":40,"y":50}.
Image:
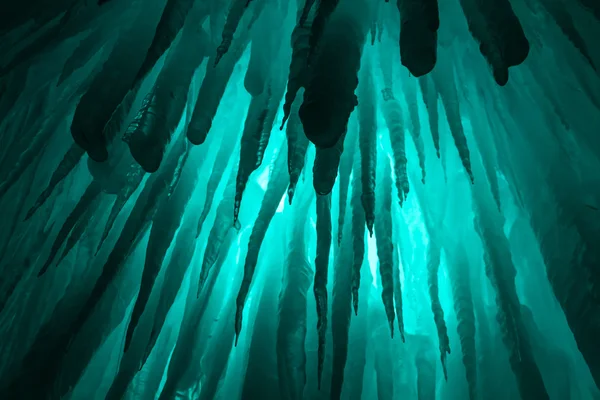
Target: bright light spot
{"x":263,"y":179}
{"x":281,"y":204}
{"x":372,"y":258}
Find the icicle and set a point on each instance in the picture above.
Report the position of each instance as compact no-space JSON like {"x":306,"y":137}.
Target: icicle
{"x":85,"y":51}
{"x":211,"y":92}
{"x":151,"y":130}
{"x":410,"y":94}
{"x":67,"y":164}
{"x":321,"y":272}
{"x":341,"y":311}
{"x":324,"y":10}
{"x":398,"y":301}
{"x":345,"y":172}
{"x":419,"y":22}
{"x":393,"y":118}
{"x":234,"y":16}
{"x":291,"y":330}
{"x":430,"y":98}
{"x":297,"y":146}
{"x":444,"y":80}
{"x":368,"y":144}
{"x":325,"y":168}
{"x":358,"y":230}
{"x":110,"y":86}
{"x":250,"y":147}
{"x":164,"y":225}
{"x":385,"y":246}
{"x":79,"y":215}
{"x":275,"y":191}
{"x":298,"y":75}
{"x":329,"y":97}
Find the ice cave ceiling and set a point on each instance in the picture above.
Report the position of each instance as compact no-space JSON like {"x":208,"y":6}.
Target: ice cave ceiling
{"x":300,"y":199}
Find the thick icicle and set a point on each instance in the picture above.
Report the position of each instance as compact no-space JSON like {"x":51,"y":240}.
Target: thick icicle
{"x":358,"y":231}
{"x":346,"y":162}
{"x":298,"y":74}
{"x":321,"y":272}
{"x":329,"y":98}
{"x":291,"y":331}
{"x":325,"y":168}
{"x":385,"y":246}
{"x":419,"y":20}
{"x":367,"y":117}
{"x":111,"y":85}
{"x":324,"y":10}
{"x":341,"y":311}
{"x":212,"y":90}
{"x":278,"y":183}
{"x":150,"y":132}
{"x":393,"y":118}
{"x":500,"y":34}
{"x":297,"y":146}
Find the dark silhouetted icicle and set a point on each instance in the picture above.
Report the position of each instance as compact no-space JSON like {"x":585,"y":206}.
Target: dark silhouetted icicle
{"x":79,"y":215}
{"x":298,"y":75}
{"x":329,"y":98}
{"x":398,"y":300}
{"x":385,"y":246}
{"x":444,"y":80}
{"x":430,"y":98}
{"x":173,"y":18}
{"x":212,"y":90}
{"x":367,"y":118}
{"x":393,"y":118}
{"x":409,"y":88}
{"x":558,"y":10}
{"x":40,"y":134}
{"x":324,"y":10}
{"x":183,"y":252}
{"x":278,"y":183}
{"x":500,"y":35}
{"x":341,"y":311}
{"x":325,"y":168}
{"x":261,"y":380}
{"x":291,"y":330}
{"x":358,"y":231}
{"x":165,"y":223}
{"x":321,"y":275}
{"x":111,"y":85}
{"x":433,"y":266}
{"x":150,"y":132}
{"x":66,"y":165}
{"x":459,"y":272}
{"x":266,"y":40}
{"x":297,"y":146}
{"x":237,"y":9}
{"x":346,"y":162}
{"x":426,"y":370}
{"x":419,"y":22}
{"x":359,"y":337}
{"x":501,"y":272}
{"x":591,"y":6}
{"x":250,"y":146}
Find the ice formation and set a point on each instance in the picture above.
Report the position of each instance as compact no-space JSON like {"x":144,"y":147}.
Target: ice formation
{"x":300,"y":199}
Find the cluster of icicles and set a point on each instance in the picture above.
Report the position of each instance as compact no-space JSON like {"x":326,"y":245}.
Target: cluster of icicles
{"x":170,"y":101}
